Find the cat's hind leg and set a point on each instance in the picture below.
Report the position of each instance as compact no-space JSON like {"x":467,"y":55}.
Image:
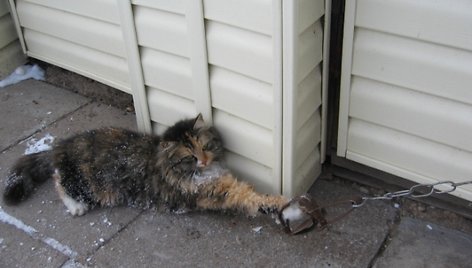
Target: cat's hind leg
{"x":228,"y":193}
{"x":76,"y":208}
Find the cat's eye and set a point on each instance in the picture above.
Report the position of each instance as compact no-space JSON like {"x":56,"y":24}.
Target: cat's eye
{"x":188,"y":145}
{"x":210,"y":146}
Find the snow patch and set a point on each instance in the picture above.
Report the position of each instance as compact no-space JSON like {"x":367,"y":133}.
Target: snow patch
{"x":21,"y":73}
{"x":257,"y":229}
{"x":36,"y":146}
{"x":292,"y":213}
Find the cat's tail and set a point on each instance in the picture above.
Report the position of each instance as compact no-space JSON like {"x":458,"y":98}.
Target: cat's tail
{"x":27,"y":172}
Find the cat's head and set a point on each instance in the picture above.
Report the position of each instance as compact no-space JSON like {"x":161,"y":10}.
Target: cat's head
{"x":192,"y":145}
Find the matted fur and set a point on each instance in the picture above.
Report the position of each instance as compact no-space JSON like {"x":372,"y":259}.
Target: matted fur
{"x":112,"y":166}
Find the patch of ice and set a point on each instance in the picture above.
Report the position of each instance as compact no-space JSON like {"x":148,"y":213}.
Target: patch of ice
{"x":22,"y":73}
{"x":257,"y":229}
{"x":36,"y":146}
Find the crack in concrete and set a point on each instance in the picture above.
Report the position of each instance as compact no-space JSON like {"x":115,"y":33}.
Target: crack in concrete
{"x":387,"y":240}
{"x":43,"y":127}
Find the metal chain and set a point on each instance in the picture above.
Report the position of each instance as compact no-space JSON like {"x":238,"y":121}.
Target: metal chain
{"x":416,"y":191}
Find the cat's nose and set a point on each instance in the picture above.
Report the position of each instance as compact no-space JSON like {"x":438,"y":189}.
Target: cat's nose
{"x":201,"y":163}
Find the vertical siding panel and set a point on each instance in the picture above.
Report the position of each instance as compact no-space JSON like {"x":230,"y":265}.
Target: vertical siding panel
{"x":277,"y":119}
{"x":168,"y":60}
{"x":198,"y":58}
{"x":134,"y":66}
{"x":290,"y":58}
{"x":303,"y":53}
{"x":325,"y":78}
{"x":14,"y":15}
{"x":11,"y":54}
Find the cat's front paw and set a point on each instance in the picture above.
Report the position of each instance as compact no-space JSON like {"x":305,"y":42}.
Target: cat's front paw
{"x":74,"y":207}
{"x":78,"y":210}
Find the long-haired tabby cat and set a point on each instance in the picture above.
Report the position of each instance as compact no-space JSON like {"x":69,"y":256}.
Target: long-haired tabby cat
{"x":107,"y":167}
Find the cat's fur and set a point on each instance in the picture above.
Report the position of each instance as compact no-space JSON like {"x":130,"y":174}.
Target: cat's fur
{"x":110,"y":166}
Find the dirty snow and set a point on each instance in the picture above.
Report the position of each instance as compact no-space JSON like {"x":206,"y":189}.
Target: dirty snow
{"x":21,"y":73}
{"x":36,"y":146}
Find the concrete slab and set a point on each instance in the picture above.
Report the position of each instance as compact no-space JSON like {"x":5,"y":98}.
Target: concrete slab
{"x":159,"y":239}
{"x":418,"y":243}
{"x":17,"y":249}
{"x":30,"y":106}
{"x":45,"y":212}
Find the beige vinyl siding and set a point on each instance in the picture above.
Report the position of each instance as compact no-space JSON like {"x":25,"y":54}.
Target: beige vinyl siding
{"x":163,"y":44}
{"x":241,"y":47}
{"x":408,"y":90}
{"x":82,"y":36}
{"x":11,"y":54}
{"x":302,"y":94}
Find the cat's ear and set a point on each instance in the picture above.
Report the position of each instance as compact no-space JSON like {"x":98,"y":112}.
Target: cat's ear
{"x":199,"y":123}
{"x":166,"y":145}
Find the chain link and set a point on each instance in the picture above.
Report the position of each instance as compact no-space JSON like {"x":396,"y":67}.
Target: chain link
{"x":416,"y":191}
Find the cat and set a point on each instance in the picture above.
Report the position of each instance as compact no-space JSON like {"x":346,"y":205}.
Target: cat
{"x":182,"y":169}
